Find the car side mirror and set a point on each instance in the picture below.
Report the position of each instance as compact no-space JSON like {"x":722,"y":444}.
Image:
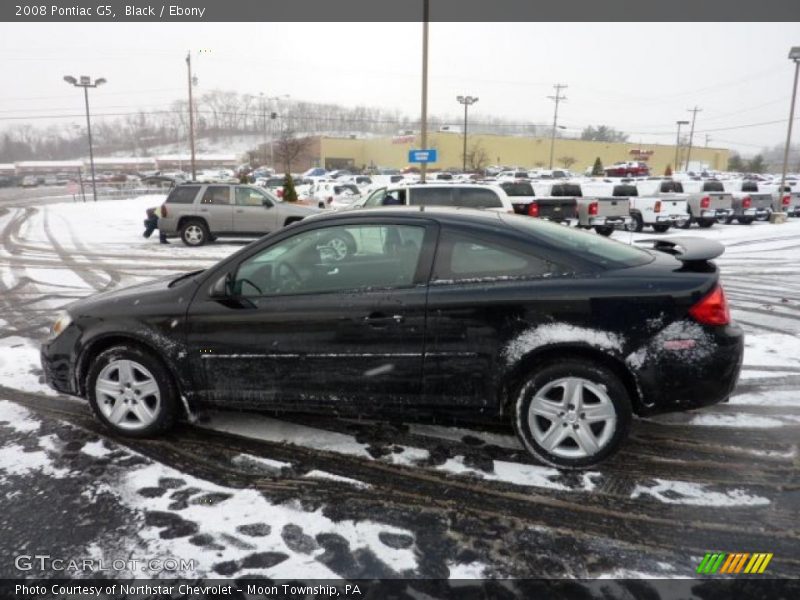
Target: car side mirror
{"x":267,"y":203}
{"x":223,"y":287}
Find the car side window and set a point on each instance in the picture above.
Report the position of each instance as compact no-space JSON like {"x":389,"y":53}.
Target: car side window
{"x":333,"y":259}
{"x":247,"y":196}
{"x":478,"y":198}
{"x":461,"y":257}
{"x":183,"y":194}
{"x":375,"y":198}
{"x":432,"y":196}
{"x":217,"y":194}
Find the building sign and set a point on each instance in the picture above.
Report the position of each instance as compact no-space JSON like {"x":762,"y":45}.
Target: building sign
{"x":422,"y":156}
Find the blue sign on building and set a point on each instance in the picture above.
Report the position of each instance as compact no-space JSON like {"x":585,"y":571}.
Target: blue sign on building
{"x":422,"y":156}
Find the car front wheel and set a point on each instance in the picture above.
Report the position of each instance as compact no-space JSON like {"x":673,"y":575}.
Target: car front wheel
{"x":131,"y":392}
{"x":572,"y":414}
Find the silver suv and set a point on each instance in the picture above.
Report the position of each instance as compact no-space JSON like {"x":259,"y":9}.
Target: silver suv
{"x":199,"y":212}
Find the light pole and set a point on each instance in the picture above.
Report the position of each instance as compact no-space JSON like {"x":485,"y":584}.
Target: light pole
{"x":694,"y":112}
{"x":467,"y":101}
{"x":86,"y":82}
{"x":423,"y":124}
{"x":794,"y":54}
{"x":191,"y":81}
{"x":678,"y":143}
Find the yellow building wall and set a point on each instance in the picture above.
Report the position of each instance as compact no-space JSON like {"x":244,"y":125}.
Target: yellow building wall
{"x":511,"y":151}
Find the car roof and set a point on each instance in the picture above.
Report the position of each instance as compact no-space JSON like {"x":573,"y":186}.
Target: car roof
{"x":442,"y":214}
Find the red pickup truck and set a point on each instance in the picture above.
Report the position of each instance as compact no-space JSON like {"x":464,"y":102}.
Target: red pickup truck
{"x":631,"y":168}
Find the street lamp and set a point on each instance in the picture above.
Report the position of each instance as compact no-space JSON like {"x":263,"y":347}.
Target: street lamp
{"x":467,"y":101}
{"x":678,"y":142}
{"x":794,"y":54}
{"x":85,"y":82}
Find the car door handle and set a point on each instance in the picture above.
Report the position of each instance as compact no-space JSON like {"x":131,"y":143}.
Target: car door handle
{"x":382,"y":320}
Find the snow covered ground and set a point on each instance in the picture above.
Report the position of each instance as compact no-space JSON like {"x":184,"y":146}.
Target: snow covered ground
{"x":265,"y":504}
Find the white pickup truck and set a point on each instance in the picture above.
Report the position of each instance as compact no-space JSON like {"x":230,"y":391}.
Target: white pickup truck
{"x":658,"y":204}
{"x":749,"y":203}
{"x":787,"y":202}
{"x":707,"y":201}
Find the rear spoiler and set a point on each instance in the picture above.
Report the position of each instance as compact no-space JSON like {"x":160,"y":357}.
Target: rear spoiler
{"x":687,"y":249}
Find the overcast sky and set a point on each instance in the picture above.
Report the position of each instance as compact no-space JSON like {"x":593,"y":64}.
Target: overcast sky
{"x":639,"y":78}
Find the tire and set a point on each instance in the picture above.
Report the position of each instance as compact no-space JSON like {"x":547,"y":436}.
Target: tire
{"x":745,"y":220}
{"x":194,"y":232}
{"x":706,"y":223}
{"x":688,"y":223}
{"x":133,"y":380}
{"x":604,"y":230}
{"x":661,"y":227}
{"x":636,"y":225}
{"x":340,"y":245}
{"x":764,"y":217}
{"x":545,"y":389}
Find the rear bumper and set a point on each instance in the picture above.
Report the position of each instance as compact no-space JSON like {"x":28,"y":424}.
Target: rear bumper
{"x":716,"y":213}
{"x":672,"y":219}
{"x":609,"y":221}
{"x":680,"y":379}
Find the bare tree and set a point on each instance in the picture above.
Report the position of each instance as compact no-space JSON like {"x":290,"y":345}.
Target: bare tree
{"x":289,"y":148}
{"x":477,"y":157}
{"x":567,"y":161}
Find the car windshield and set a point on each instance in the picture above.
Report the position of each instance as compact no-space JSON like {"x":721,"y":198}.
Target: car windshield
{"x":595,"y":249}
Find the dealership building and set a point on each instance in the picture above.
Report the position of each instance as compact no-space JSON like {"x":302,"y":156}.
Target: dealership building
{"x":528,"y":152}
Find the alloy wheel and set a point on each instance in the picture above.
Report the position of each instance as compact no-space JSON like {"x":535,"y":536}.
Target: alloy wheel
{"x":128,"y":395}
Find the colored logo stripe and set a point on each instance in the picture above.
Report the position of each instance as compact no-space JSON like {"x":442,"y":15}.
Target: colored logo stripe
{"x":733,"y":563}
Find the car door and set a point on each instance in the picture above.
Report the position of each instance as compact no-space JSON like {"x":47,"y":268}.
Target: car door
{"x":216,"y":208}
{"x":480,"y":291}
{"x":253,"y":212}
{"x":305,"y":326}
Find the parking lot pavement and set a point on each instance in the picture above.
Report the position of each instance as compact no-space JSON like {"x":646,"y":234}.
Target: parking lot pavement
{"x":300,"y":496}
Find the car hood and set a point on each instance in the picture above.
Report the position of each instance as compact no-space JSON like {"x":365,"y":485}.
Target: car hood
{"x":290,"y":208}
{"x":137,"y":297}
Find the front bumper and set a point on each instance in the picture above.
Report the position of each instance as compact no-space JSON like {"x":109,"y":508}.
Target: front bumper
{"x":58,"y":362}
{"x":681,"y":379}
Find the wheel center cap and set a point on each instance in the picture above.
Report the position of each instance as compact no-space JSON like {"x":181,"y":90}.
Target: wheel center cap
{"x":572,"y":417}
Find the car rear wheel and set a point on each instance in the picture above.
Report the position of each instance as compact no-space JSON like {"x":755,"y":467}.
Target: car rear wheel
{"x":572,"y":414}
{"x":636,"y":224}
{"x":338,"y":246}
{"x":745,"y":220}
{"x":705,"y":223}
{"x":604,"y":230}
{"x":661,"y":227}
{"x":194,"y":233}
{"x":131,"y":392}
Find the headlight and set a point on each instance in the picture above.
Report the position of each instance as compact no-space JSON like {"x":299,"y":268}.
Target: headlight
{"x":62,"y":322}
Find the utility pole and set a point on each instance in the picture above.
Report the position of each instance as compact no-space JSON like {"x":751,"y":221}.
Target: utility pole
{"x":708,"y":139}
{"x":423,"y":129}
{"x":264,"y":124}
{"x":557,"y":98}
{"x":191,"y":114}
{"x":694,"y":112}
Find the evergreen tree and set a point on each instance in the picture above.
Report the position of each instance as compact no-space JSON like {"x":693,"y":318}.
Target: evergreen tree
{"x":668,"y":171}
{"x":597,"y":169}
{"x":289,"y":193}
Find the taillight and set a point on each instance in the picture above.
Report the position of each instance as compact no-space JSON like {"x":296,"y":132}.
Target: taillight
{"x":658,"y":206}
{"x":593,"y":207}
{"x":280,"y":192}
{"x":533,"y":209}
{"x":746,"y":202}
{"x":705,"y":202}
{"x":164,"y":210}
{"x":785,"y":200}
{"x":712,"y":309}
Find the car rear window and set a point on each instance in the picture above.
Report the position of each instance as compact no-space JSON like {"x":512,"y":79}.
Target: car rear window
{"x":749,"y":186}
{"x":342,"y":189}
{"x":671,"y":187}
{"x":567,"y":189}
{"x":520,"y":188}
{"x":569,"y":241}
{"x":625,"y":190}
{"x":478,"y":198}
{"x":713,"y":186}
{"x":432,"y":196}
{"x":183,"y":194}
